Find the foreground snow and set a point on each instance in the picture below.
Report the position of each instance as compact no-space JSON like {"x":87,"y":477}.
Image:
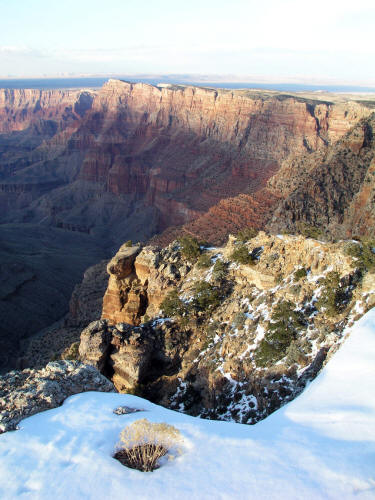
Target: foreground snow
{"x":320,"y":446}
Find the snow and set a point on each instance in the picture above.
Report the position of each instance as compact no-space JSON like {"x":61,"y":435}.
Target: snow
{"x":320,"y":446}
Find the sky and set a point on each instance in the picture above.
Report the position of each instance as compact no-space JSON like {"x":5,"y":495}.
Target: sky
{"x":280,"y":40}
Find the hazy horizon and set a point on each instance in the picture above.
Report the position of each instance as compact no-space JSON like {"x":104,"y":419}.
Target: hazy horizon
{"x":280,"y":41}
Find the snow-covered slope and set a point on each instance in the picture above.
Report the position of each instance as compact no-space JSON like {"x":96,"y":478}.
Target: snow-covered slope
{"x":320,"y":446}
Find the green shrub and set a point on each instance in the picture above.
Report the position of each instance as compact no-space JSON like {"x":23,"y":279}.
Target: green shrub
{"x":190,"y":248}
{"x":282,"y":330}
{"x":364,"y":252}
{"x":309,"y":231}
{"x":334,"y":296}
{"x":242,"y":255}
{"x":206,"y":296}
{"x":246,"y":234}
{"x":204,"y":261}
{"x":300,"y":273}
{"x":172,"y":305}
{"x":128,"y":243}
{"x":220,"y":270}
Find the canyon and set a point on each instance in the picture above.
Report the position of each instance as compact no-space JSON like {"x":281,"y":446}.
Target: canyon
{"x":82,"y":171}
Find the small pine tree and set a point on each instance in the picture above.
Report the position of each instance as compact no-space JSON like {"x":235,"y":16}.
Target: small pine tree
{"x":242,"y":255}
{"x":283,"y":328}
{"x":172,"y":305}
{"x":204,"y":261}
{"x":333,"y":297}
{"x":220,"y":270}
{"x":206,"y":296}
{"x":190,"y":248}
{"x":246,"y":234}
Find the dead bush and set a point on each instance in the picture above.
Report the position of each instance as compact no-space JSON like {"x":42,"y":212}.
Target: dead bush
{"x":143,"y":443}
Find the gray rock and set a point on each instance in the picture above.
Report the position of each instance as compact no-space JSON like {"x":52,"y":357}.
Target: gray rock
{"x":95,"y":344}
{"x":25,"y":393}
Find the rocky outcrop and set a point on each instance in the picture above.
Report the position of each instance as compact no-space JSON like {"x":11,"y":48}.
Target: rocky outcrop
{"x":95,"y":344}
{"x":123,"y":300}
{"x":25,"y":393}
{"x":139,"y":280}
{"x":220,"y":354}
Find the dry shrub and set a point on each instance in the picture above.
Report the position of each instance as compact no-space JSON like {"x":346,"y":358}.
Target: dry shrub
{"x":143,"y":443}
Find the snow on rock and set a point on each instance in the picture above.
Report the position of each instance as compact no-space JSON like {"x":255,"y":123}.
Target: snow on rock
{"x":320,"y":446}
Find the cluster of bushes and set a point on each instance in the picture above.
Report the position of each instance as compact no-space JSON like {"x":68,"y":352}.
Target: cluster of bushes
{"x":173,"y":306}
{"x":283,"y":329}
{"x":206,"y":298}
{"x":364,"y":252}
{"x":246,"y":234}
{"x":190,"y":248}
{"x":241,"y":255}
{"x":334,"y":296}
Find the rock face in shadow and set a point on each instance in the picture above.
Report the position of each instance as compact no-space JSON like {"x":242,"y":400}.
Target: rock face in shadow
{"x":39,"y":269}
{"x":333,"y":191}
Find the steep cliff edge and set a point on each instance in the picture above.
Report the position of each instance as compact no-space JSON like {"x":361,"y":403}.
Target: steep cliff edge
{"x":233,"y":332}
